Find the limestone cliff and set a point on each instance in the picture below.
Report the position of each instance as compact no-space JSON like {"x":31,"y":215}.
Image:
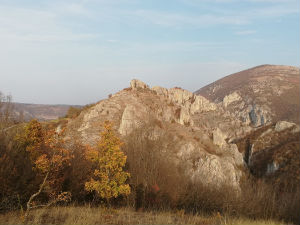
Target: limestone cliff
{"x":177,"y":112}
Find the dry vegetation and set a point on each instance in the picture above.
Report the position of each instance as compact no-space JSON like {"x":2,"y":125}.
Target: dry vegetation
{"x":99,"y":215}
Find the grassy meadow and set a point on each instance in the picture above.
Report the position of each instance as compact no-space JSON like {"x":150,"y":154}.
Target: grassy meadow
{"x":82,"y":215}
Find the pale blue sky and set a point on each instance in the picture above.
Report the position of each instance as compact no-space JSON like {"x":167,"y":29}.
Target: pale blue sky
{"x":78,"y":52}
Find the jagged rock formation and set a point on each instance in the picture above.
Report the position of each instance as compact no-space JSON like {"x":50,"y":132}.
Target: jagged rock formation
{"x":136,"y":84}
{"x":177,"y":112}
{"x":260,"y":95}
{"x":212,"y":141}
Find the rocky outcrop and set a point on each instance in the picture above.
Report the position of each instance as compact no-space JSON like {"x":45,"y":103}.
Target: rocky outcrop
{"x":131,"y":119}
{"x":219,"y":139}
{"x":180,"y":96}
{"x":208,"y":168}
{"x":136,"y":84}
{"x":172,"y":111}
{"x":188,"y":102}
{"x":160,"y":90}
{"x":282,"y":125}
{"x":201,"y":104}
{"x":233,"y":97}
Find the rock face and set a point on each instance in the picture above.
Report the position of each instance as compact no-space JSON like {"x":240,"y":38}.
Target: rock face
{"x":282,"y":125}
{"x":179,"y":113}
{"x":219,"y":138}
{"x":209,"y":168}
{"x":131,"y":119}
{"x":272,"y":149}
{"x":233,"y":97}
{"x":213,"y":142}
{"x":188,"y":102}
{"x":260,"y":95}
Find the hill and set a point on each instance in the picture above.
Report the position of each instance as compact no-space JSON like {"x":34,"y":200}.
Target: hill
{"x":169,"y":124}
{"x":263,"y":94}
{"x":40,"y":111}
{"x":204,"y":139}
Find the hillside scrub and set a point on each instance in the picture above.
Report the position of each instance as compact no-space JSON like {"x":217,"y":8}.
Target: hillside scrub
{"x":158,"y":183}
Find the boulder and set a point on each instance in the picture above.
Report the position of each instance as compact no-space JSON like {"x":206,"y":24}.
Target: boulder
{"x":282,"y":125}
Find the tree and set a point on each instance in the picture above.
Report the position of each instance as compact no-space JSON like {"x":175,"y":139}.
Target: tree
{"x":108,"y":179}
{"x":49,"y":159}
{"x":6,"y":111}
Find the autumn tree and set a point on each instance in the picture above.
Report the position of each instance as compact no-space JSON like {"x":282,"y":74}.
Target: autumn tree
{"x":49,"y":158}
{"x":109,"y":178}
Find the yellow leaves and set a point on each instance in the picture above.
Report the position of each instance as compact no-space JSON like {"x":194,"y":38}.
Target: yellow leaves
{"x":47,"y":153}
{"x":91,"y":154}
{"x":109,"y":177}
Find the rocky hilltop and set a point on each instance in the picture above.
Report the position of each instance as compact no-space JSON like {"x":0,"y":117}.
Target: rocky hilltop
{"x":259,"y":95}
{"x":213,"y":142}
{"x":199,"y":131}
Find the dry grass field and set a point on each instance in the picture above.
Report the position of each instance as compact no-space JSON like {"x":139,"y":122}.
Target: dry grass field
{"x":91,"y":215}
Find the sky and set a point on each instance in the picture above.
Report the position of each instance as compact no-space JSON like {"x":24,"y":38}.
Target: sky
{"x":79,"y":52}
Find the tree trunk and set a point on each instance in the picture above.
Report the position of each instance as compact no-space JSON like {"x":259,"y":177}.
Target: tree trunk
{"x":28,"y":205}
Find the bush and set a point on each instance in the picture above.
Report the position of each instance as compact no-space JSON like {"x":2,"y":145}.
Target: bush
{"x":154,"y":175}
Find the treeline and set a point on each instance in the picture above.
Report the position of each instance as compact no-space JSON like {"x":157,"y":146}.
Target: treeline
{"x":39,"y":168}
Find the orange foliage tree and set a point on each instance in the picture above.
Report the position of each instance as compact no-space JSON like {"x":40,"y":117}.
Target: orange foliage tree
{"x":49,"y":159}
{"x":109,"y":178}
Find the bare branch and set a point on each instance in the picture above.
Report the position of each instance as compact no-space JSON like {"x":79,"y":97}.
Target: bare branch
{"x":36,"y":194}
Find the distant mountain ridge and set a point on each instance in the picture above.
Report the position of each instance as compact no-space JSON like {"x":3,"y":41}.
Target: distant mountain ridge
{"x":41,"y":111}
{"x":270,"y":92}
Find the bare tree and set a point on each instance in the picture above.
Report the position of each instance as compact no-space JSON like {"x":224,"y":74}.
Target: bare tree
{"x":6,"y":111}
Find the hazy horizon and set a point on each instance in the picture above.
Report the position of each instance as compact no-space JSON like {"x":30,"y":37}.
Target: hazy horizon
{"x":79,"y":52}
